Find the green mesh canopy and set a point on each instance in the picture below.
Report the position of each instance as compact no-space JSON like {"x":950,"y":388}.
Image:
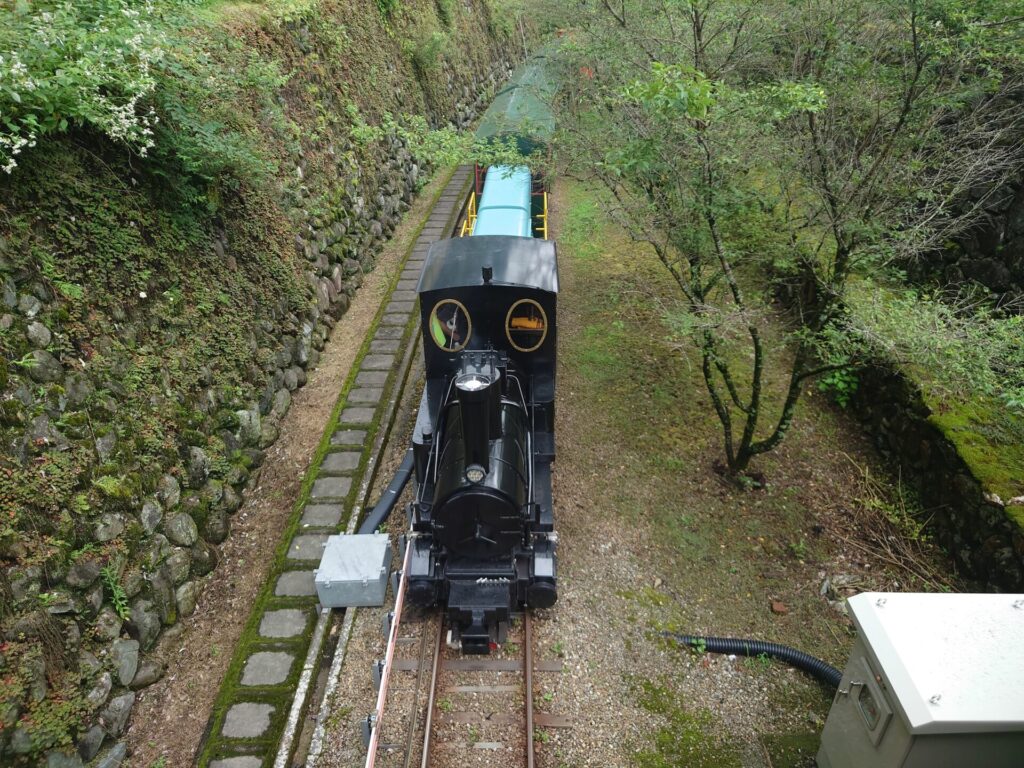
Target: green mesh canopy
{"x":522,"y":108}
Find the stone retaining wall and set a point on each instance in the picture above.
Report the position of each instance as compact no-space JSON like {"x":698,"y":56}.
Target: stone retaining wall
{"x":976,"y":526}
{"x":991,"y":254}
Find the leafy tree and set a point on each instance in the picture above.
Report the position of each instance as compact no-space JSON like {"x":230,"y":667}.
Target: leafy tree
{"x":820,"y":142}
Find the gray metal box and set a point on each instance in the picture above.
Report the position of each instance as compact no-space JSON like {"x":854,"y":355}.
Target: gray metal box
{"x":933,"y":681}
{"x":354,"y":570}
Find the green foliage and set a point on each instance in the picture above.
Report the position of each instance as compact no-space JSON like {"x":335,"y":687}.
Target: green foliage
{"x":989,"y":440}
{"x":111,"y":575}
{"x":673,"y":91}
{"x":441,"y":147}
{"x":840,"y":385}
{"x":203,"y":134}
{"x":388,"y":8}
{"x":87,"y":63}
{"x":53,"y":721}
{"x":425,"y":52}
{"x":113,"y":487}
{"x":957,"y":348}
{"x":446,"y":10}
{"x":683,"y":737}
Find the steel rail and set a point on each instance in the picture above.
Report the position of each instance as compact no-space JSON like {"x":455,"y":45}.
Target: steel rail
{"x":528,"y":684}
{"x":414,"y":714}
{"x":378,"y":714}
{"x":432,"y":693}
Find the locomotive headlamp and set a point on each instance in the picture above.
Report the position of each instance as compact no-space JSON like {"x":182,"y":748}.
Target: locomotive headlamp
{"x":472,"y":382}
{"x":475,"y":473}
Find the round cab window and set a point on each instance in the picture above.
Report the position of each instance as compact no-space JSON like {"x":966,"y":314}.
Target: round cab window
{"x":450,"y":325}
{"x":526,"y":325}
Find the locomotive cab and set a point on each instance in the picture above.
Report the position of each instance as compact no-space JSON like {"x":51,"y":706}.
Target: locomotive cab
{"x":482,"y":526}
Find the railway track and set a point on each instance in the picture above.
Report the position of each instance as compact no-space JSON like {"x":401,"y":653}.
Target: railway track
{"x":437,"y":708}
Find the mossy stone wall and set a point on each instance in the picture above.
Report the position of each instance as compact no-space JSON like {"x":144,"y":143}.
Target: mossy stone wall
{"x":967,"y":464}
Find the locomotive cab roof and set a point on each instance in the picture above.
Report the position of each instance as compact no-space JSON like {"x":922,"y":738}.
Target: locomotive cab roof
{"x":514,"y":261}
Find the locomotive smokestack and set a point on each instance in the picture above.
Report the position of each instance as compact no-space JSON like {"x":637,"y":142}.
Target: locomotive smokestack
{"x":475,"y":402}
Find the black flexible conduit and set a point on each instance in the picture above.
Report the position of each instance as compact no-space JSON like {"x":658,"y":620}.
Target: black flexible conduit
{"x":822,"y":670}
{"x":380,"y":513}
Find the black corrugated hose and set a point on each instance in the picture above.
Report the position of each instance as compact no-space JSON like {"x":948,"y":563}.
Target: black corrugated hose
{"x":380,"y":513}
{"x":822,"y":670}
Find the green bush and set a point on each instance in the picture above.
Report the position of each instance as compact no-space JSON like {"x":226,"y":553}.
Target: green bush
{"x":388,"y":8}
{"x":445,"y":11}
{"x":87,"y":63}
{"x":425,"y":53}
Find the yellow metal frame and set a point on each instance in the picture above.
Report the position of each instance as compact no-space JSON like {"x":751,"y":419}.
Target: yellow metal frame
{"x":470,"y":222}
{"x":543,"y":228}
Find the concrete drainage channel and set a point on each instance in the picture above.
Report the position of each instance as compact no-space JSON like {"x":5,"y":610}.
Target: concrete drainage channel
{"x":257,"y":718}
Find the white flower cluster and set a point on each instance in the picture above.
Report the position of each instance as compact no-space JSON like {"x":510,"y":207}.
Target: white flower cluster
{"x":67,"y":70}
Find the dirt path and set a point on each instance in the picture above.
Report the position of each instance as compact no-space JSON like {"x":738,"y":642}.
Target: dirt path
{"x":169,"y":716}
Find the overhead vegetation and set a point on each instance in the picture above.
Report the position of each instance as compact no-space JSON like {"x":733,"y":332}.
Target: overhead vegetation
{"x":822,"y":144}
{"x":88,"y":64}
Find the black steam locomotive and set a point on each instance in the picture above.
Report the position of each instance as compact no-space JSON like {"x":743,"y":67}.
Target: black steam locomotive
{"x":482,"y":539}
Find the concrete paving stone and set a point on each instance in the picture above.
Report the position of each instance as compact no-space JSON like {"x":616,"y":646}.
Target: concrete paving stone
{"x":399,"y":319}
{"x":400,"y":305}
{"x":377,"y":363}
{"x":307,"y":546}
{"x":381,"y":347}
{"x":357,"y":414}
{"x":242,"y":761}
{"x":337,"y":463}
{"x":295,"y":584}
{"x":369,"y":395}
{"x":247,"y":720}
{"x":267,"y":668}
{"x":348,"y":437}
{"x":331,"y":488}
{"x":412,"y":273}
{"x":322,"y":515}
{"x":371,"y":378}
{"x":389,"y":332}
{"x":285,"y":622}
{"x":406,"y":289}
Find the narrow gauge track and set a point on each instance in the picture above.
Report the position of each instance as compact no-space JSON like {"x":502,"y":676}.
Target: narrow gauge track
{"x":440,"y":709}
